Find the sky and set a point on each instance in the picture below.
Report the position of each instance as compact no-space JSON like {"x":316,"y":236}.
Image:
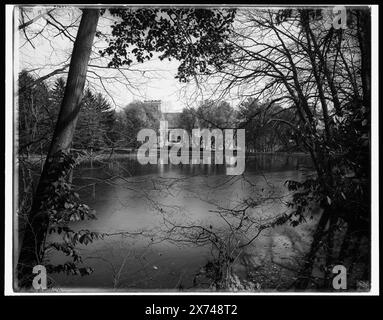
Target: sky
{"x":41,"y":48}
{"x":153,"y":80}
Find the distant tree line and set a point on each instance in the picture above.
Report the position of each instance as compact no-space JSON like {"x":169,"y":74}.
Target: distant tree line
{"x":101,"y":126}
{"x":38,"y":108}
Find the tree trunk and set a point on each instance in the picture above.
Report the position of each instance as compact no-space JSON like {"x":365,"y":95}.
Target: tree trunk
{"x":32,"y":248}
{"x":306,"y":272}
{"x":364,"y":37}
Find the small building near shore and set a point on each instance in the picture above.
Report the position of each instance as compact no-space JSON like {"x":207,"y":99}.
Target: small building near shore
{"x":172,"y":119}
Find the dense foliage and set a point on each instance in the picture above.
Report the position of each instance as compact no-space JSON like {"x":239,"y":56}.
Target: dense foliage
{"x":195,"y":37}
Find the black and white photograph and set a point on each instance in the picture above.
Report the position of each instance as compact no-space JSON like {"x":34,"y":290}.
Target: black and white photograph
{"x":200,"y":149}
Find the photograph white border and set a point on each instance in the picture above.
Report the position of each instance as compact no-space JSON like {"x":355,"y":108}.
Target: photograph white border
{"x":9,"y":186}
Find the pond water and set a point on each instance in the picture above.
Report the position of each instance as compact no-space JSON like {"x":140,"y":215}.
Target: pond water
{"x":137,"y":204}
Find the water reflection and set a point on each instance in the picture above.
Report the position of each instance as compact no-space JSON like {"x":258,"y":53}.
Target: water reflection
{"x":138,"y":198}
